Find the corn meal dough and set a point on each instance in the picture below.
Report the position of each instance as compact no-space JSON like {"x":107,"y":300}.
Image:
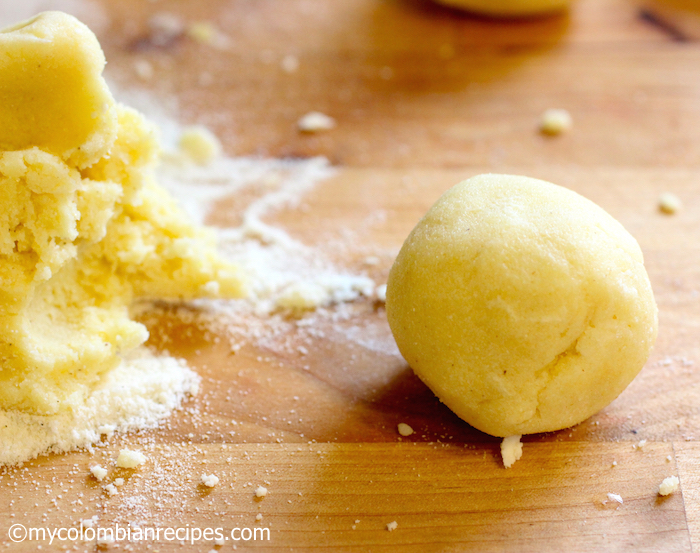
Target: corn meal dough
{"x":524,"y":306}
{"x":84,"y":229}
{"x":508,"y":8}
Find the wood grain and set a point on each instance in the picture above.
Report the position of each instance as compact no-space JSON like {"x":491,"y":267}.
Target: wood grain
{"x":424,"y":97}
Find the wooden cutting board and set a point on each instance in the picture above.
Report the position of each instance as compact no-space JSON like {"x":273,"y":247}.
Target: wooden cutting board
{"x":423,"y":97}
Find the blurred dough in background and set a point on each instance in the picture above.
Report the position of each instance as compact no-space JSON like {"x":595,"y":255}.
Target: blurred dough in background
{"x":508,"y":8}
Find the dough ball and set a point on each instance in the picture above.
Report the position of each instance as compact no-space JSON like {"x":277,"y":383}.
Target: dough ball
{"x":524,"y":306}
{"x":508,"y":8}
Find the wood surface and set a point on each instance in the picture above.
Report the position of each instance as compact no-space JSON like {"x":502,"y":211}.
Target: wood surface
{"x":423,"y":96}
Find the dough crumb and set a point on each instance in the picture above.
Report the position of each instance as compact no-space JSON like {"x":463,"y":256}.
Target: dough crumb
{"x":615,"y":497}
{"x":290,"y":64}
{"x":89,"y":522}
{"x":199,"y":145}
{"x":315,"y":121}
{"x":202,"y":31}
{"x":98,"y":472}
{"x":261,"y":491}
{"x":165,"y":28}
{"x":511,"y":450}
{"x":404,"y":429}
{"x":392,"y":526}
{"x":143,"y":69}
{"x":129,"y":459}
{"x":669,"y":203}
{"x":210,"y":480}
{"x":669,"y":485}
{"x":555,"y":122}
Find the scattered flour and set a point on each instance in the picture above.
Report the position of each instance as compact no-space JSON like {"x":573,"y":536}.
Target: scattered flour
{"x":138,"y":394}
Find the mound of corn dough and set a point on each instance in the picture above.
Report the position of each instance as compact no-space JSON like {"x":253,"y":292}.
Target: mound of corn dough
{"x":508,"y":8}
{"x":524,"y":306}
{"x":84,"y":229}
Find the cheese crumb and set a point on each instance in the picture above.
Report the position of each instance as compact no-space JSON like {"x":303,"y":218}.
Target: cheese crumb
{"x":261,"y":491}
{"x":669,"y":203}
{"x":111,"y":489}
{"x":555,"y":121}
{"x":315,"y":121}
{"x":210,"y":480}
{"x":118,"y":482}
{"x":199,"y":145}
{"x":258,"y":517}
{"x":392,"y":526}
{"x":129,"y":459}
{"x":381,"y":293}
{"x":404,"y":429}
{"x":98,"y":472}
{"x":669,"y":485}
{"x":615,"y":497}
{"x":511,"y":450}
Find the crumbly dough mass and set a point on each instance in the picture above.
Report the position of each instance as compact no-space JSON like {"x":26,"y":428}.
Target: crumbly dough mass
{"x":524,"y":306}
{"x":84,"y":228}
{"x":508,"y":8}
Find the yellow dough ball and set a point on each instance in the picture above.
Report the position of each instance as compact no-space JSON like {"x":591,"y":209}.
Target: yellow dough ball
{"x":524,"y":306}
{"x":508,"y":8}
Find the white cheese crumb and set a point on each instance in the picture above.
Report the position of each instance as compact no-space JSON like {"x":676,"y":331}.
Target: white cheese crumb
{"x":290,"y":64}
{"x":555,"y":121}
{"x":260,"y":491}
{"x":118,"y":482}
{"x":511,"y":450}
{"x":669,"y":203}
{"x":210,"y":480}
{"x":640,"y":445}
{"x":404,"y":429}
{"x":258,"y":517}
{"x":669,"y":458}
{"x":615,"y":497}
{"x":199,"y":144}
{"x":669,"y":485}
{"x":98,"y":472}
{"x":392,"y":526}
{"x":219,"y":541}
{"x":315,"y":121}
{"x":381,"y":292}
{"x":129,"y":459}
{"x":111,"y":489}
